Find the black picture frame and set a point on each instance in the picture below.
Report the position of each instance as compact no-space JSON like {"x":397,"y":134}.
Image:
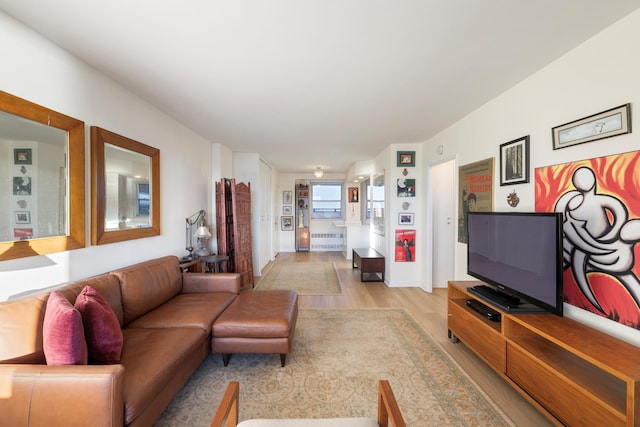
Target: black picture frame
{"x":22,"y":156}
{"x":514,"y":161}
{"x":606,"y":124}
{"x":286,"y":223}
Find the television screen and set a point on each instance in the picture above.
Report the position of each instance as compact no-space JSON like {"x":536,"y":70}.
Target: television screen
{"x":520,"y":255}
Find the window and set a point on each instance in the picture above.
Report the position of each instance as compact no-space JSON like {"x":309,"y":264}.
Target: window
{"x":326,"y":201}
{"x":365,"y":206}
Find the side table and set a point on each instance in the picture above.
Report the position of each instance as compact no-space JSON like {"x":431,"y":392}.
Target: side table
{"x":213,"y":263}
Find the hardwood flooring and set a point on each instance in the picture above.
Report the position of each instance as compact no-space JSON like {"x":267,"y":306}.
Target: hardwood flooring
{"x":430,"y":312}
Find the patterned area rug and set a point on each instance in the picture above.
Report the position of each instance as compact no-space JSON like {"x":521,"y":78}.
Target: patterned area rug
{"x":306,"y":278}
{"x":337,"y":359}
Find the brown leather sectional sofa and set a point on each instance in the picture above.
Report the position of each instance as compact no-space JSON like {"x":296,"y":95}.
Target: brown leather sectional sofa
{"x":166,"y":318}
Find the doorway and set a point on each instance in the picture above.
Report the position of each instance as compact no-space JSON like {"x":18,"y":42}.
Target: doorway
{"x":443,"y":202}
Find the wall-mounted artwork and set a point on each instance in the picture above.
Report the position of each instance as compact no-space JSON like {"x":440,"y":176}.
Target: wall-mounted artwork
{"x":287,"y":223}
{"x":406,"y":187}
{"x":406,"y":158}
{"x":514,"y":161}
{"x":286,"y":197}
{"x":475,"y":192}
{"x":23,"y":217}
{"x":354,"y":195}
{"x":405,"y":246}
{"x":22,"y":233}
{"x":405,"y":218}
{"x":22,"y":156}
{"x":601,"y":207}
{"x":613,"y":122}
{"x":21,"y":185}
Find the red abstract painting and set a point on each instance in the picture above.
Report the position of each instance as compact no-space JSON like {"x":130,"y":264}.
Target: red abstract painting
{"x":600,"y":202}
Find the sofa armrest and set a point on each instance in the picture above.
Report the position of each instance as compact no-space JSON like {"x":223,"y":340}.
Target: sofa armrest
{"x":207,"y":282}
{"x":76,"y":395}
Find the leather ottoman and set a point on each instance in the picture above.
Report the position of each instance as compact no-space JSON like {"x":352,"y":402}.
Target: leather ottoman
{"x":260,"y":322}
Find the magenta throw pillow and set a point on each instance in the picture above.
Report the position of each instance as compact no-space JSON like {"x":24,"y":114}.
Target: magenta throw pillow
{"x":101,"y":327}
{"x":63,"y":333}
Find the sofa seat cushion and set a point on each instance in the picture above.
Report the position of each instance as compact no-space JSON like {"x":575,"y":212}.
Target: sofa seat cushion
{"x":152,"y":357}
{"x":187,"y":310}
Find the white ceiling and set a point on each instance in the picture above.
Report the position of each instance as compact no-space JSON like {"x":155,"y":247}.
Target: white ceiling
{"x":309,"y":83}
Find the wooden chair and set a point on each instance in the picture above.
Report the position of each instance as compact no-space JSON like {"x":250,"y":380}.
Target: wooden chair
{"x":388,"y":411}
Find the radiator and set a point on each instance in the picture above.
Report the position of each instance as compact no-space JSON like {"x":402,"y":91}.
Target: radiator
{"x":327,"y":241}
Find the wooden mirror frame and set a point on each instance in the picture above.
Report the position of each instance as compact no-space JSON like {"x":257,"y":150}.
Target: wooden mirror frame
{"x":99,"y":236}
{"x":75,"y":220}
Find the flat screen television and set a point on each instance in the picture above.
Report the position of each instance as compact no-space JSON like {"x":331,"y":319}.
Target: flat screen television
{"x":519,"y":257}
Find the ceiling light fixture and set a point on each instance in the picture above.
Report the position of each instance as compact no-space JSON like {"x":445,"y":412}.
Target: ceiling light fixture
{"x":318,"y":172}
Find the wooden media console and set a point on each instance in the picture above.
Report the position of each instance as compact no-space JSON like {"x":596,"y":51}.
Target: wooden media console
{"x":572,"y":373}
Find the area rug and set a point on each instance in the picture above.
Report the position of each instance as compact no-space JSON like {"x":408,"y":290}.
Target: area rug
{"x":337,"y":359}
{"x":306,"y":278}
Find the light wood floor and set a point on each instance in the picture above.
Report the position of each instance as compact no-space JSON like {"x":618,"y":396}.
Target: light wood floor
{"x":430,"y":312}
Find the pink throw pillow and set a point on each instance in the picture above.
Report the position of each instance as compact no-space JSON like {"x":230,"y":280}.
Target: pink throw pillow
{"x":101,"y":327}
{"x":63,"y":339}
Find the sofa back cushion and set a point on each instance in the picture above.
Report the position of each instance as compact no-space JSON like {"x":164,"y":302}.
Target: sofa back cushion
{"x":63,"y":333}
{"x":22,"y":319}
{"x":102,"y":329}
{"x":147,"y":285}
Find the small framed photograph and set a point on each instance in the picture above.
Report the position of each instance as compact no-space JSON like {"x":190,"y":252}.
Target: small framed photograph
{"x":514,"y":161}
{"x":406,"y":158}
{"x":613,"y":122}
{"x":22,"y":156}
{"x":354,"y":195}
{"x":286,"y":223}
{"x":405,"y":218}
{"x":22,"y":233}
{"x":287,"y":197}
{"x":287,"y":210}
{"x":23,"y":217}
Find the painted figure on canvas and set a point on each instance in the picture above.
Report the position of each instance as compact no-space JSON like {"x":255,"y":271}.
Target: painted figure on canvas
{"x":600,"y":208}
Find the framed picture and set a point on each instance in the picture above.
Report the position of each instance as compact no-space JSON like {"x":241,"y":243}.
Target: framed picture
{"x":22,"y":156}
{"x":613,"y":122}
{"x":22,"y":233}
{"x":406,"y":187}
{"x":405,"y":218}
{"x":354,"y":195}
{"x":514,"y":161}
{"x":406,"y":158}
{"x":21,"y":185}
{"x":286,"y":223}
{"x":23,"y":217}
{"x":287,"y":210}
{"x":475,"y":192}
{"x":287,"y":197}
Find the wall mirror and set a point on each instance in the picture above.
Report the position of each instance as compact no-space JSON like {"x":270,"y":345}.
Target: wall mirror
{"x":42,"y":190}
{"x":125,"y":188}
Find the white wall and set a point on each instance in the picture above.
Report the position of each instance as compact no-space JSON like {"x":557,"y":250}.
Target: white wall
{"x":600,"y":74}
{"x":39,"y":71}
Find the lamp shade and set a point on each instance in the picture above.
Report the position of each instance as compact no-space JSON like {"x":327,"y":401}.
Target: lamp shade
{"x":202,"y":231}
{"x":318,"y":172}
